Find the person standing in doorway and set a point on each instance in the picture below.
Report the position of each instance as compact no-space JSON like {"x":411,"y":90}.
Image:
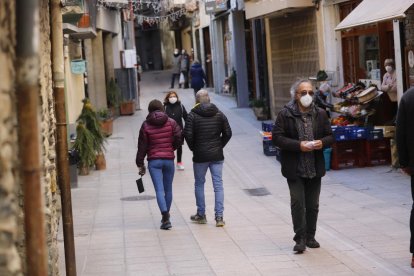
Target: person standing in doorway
{"x":198,"y":77}
{"x":207,"y":131}
{"x":176,"y":67}
{"x":185,"y":66}
{"x":176,"y":110}
{"x":389,"y":86}
{"x":405,"y":148}
{"x":301,"y":131}
{"x":158,"y":137}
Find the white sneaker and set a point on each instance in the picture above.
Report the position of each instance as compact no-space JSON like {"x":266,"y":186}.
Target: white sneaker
{"x":180,"y":166}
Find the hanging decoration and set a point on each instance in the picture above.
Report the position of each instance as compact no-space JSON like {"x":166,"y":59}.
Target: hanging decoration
{"x":162,"y":9}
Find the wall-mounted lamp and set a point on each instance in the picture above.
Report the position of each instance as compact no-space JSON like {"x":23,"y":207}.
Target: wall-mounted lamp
{"x":316,"y":3}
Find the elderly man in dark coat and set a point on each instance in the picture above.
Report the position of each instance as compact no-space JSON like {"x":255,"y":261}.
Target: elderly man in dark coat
{"x":302,"y":131}
{"x":405,"y":147}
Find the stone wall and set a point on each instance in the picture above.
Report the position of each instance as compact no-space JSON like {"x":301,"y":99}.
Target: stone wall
{"x":409,"y":27}
{"x":10,"y":263}
{"x":48,"y":140}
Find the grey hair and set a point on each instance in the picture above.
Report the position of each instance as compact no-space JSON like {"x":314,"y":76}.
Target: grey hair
{"x":196,"y":61}
{"x":202,"y":97}
{"x":295,"y":86}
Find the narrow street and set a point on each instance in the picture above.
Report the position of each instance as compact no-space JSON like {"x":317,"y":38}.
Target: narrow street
{"x":363,"y":221}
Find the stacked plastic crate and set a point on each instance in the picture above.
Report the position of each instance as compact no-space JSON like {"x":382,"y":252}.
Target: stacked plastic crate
{"x":268,"y":148}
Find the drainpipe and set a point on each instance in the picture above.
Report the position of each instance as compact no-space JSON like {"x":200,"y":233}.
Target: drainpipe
{"x":61,"y":135}
{"x":27,"y":96}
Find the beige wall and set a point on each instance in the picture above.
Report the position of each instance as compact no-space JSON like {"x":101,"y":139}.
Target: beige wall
{"x":265,"y":7}
{"x":186,"y":39}
{"x":74,"y":83}
{"x":11,"y":263}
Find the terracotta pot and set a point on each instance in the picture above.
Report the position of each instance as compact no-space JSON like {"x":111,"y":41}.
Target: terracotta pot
{"x":100,"y":162}
{"x":127,"y":108}
{"x":83,"y":170}
{"x":107,"y":126}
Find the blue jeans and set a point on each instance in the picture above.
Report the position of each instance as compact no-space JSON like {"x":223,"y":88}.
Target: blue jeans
{"x":162,"y":175}
{"x":216,"y":170}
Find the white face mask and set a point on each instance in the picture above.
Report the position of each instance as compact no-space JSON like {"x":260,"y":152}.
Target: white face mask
{"x":172,"y":100}
{"x":306,"y":100}
{"x":388,"y":68}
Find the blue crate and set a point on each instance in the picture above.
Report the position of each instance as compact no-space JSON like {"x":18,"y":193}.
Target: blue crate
{"x":375,"y":134}
{"x":269,"y":149}
{"x":267,"y":126}
{"x":357,"y":133}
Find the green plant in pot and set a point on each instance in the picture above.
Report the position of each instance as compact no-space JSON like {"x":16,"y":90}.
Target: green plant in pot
{"x":106,"y":121}
{"x":84,"y":145}
{"x":90,"y":118}
{"x":113,"y":95}
{"x":259,"y":108}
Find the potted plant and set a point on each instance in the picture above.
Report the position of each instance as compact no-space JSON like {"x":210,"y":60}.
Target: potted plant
{"x":84,"y":146}
{"x":259,"y":108}
{"x":106,"y":121}
{"x":113,"y":96}
{"x":90,"y":118}
{"x":127,"y":107}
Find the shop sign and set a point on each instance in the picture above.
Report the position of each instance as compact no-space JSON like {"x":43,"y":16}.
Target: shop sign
{"x":78,"y":66}
{"x":214,"y":6}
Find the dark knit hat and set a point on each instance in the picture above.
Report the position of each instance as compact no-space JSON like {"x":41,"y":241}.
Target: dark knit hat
{"x":155,"y":105}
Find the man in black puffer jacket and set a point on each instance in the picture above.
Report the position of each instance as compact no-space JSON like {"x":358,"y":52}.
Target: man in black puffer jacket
{"x":207,"y":132}
{"x":405,"y":147}
{"x":302,"y":131}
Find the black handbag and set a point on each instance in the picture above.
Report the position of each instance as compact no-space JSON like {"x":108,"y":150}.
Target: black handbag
{"x":140,"y":185}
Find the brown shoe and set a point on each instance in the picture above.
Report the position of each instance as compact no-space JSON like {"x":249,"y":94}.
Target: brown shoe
{"x":412,"y":261}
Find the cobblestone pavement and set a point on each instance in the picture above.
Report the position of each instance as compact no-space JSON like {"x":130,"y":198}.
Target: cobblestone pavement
{"x":363,"y":221}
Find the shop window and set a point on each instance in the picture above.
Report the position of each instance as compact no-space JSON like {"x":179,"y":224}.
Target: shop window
{"x":369,"y":56}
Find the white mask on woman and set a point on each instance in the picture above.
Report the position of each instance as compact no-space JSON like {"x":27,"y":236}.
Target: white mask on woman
{"x":172,"y":100}
{"x":388,"y":68}
{"x":306,"y":100}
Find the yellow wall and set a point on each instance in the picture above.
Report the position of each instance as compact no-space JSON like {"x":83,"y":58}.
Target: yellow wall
{"x":74,"y":84}
{"x":186,"y":39}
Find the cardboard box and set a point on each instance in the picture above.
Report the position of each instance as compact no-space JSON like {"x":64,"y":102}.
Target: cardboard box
{"x":389,"y":131}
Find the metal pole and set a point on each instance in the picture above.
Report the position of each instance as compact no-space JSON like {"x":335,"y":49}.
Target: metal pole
{"x":27,"y":94}
{"x":61,"y":135}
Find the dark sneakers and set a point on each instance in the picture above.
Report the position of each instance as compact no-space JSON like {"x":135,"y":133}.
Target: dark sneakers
{"x":312,"y":243}
{"x":201,"y":219}
{"x":220,"y":222}
{"x":300,"y":245}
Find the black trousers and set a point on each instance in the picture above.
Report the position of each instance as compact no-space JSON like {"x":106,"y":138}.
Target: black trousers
{"x":304,"y":205}
{"x":173,"y":77}
{"x":179,"y":153}
{"x":412,"y":217}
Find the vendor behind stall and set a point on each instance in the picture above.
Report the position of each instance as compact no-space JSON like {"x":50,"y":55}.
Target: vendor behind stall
{"x":389,"y":87}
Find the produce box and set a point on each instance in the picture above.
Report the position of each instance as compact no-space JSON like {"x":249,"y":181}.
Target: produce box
{"x":388,"y":131}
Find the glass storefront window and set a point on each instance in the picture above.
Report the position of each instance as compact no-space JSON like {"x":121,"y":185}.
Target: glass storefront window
{"x":369,"y":56}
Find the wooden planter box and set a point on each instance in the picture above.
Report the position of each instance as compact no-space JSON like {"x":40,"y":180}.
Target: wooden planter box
{"x":127,"y":108}
{"x":100,"y":163}
{"x":107,"y":126}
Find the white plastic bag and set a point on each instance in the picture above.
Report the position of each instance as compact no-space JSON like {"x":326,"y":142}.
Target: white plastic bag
{"x":182,"y":79}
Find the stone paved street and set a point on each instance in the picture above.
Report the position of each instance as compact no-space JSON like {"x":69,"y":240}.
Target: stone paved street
{"x":363,"y":223}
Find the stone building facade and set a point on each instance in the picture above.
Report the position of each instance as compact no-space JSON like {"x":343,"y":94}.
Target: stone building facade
{"x":12,"y":243}
{"x":10,"y":262}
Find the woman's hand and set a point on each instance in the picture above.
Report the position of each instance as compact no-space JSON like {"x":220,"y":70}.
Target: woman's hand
{"x":141,"y":170}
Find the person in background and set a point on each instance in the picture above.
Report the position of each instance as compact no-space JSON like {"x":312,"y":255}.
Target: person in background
{"x":389,"y":87}
{"x":198,"y":77}
{"x":301,"y":131}
{"x":321,"y":96}
{"x":207,"y":131}
{"x":176,"y":67}
{"x":158,"y":137}
{"x":176,"y":110}
{"x":185,"y":66}
{"x":405,"y":148}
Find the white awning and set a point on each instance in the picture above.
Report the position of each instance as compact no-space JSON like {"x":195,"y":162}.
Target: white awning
{"x":372,"y":11}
